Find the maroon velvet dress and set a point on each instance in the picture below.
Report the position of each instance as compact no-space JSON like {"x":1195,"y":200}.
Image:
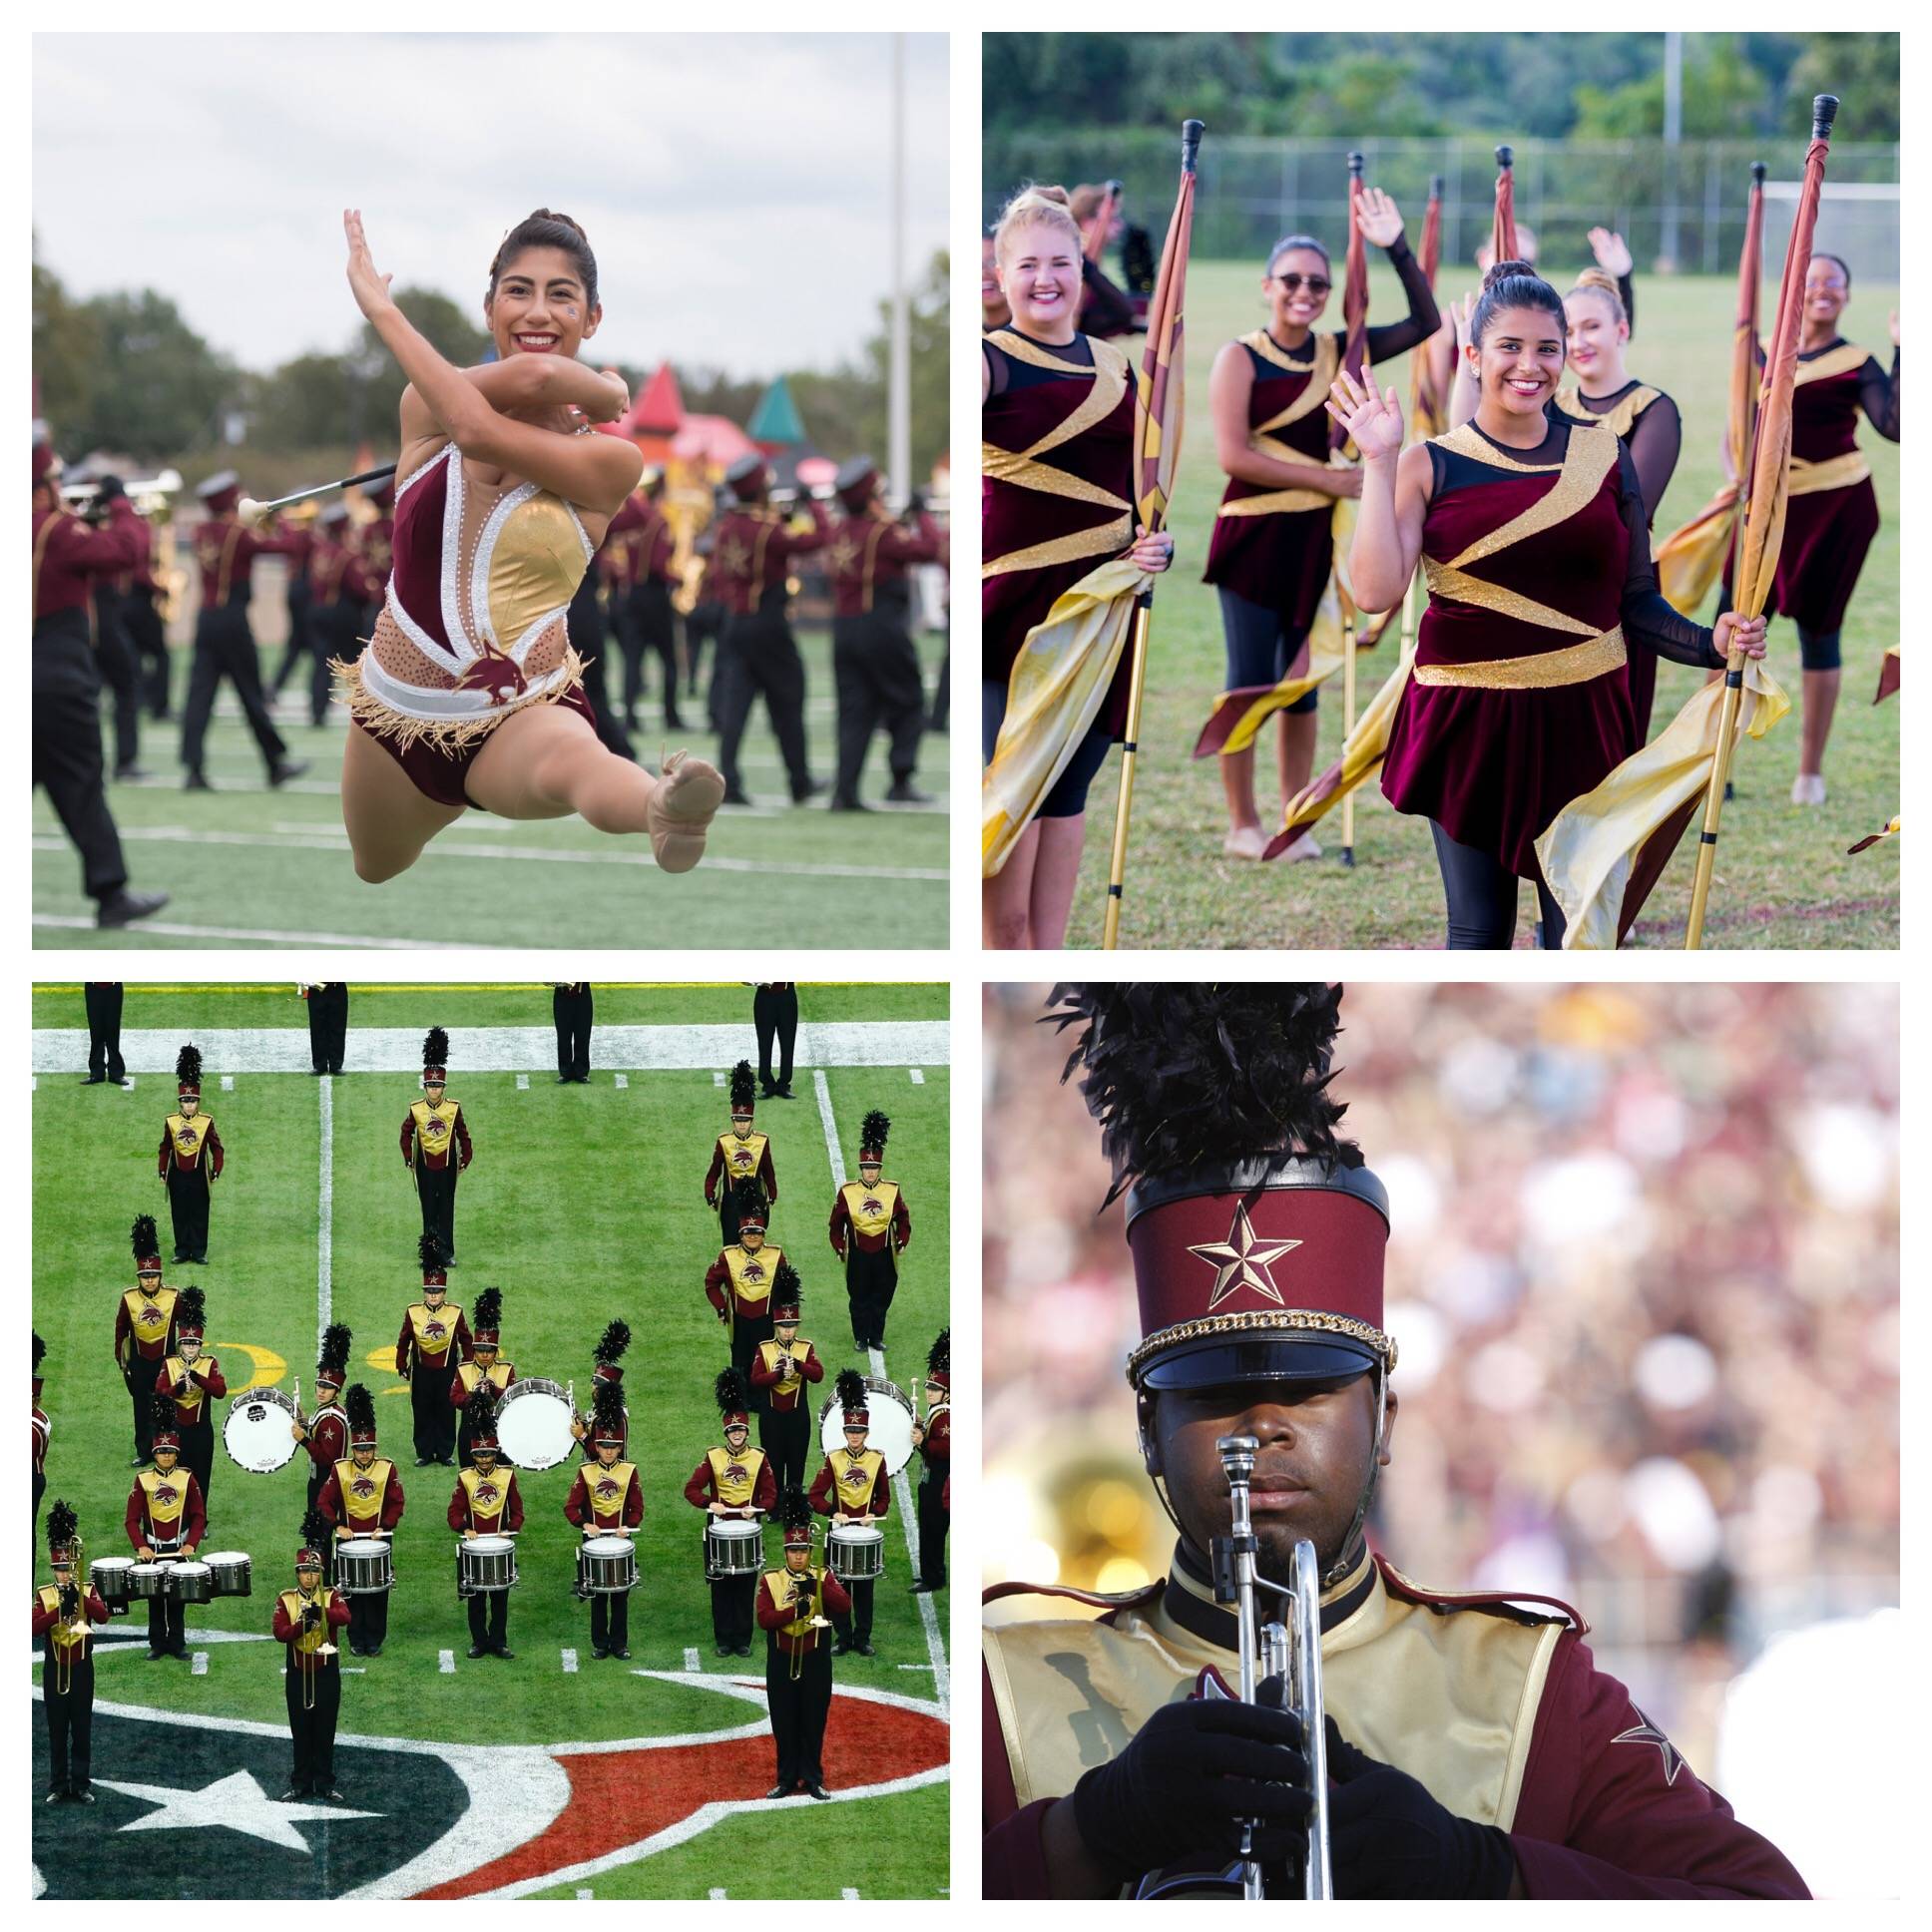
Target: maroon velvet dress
{"x":1036,"y":543}
{"x":1518,"y":702}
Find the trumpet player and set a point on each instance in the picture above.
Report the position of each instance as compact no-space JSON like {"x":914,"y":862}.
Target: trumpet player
{"x":781,"y":1369}
{"x":305,"y":1621}
{"x":65,"y":1612}
{"x":791,"y":1610}
{"x":1474,"y":1749}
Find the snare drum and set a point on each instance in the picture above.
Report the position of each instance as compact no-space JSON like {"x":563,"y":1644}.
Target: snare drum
{"x":734,"y":1547}
{"x":364,"y":1567}
{"x":606,"y":1565}
{"x":484,"y":1564}
{"x":258,"y":1432}
{"x":231,"y":1572}
{"x":109,"y":1574}
{"x":856,"y":1551}
{"x":189,"y":1583}
{"x":148,"y":1579}
{"x":533,"y":1424}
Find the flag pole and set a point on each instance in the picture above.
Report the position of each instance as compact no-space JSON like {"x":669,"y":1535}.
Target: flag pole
{"x":1153,"y":467}
{"x":1750,"y":579}
{"x":1348,"y":714}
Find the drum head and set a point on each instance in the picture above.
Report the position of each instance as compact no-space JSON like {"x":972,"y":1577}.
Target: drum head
{"x":216,"y":1559}
{"x":191,"y":1570}
{"x":856,"y":1532}
{"x":890,"y":1428}
{"x":533,"y":1425}
{"x":735,"y":1530}
{"x":256,"y":1431}
{"x":489,"y":1546}
{"x":362,"y":1546}
{"x":606,"y":1545}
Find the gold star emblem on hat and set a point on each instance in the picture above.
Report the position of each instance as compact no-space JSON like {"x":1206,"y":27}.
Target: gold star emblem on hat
{"x":1241,"y":1262}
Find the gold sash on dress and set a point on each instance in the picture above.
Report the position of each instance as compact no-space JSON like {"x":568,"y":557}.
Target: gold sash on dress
{"x":1622,"y":420}
{"x":1321,"y":371}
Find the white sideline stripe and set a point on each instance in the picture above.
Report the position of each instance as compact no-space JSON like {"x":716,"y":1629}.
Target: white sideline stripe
{"x":570,"y":1663}
{"x":915,"y":1667}
{"x":716,"y":1891}
{"x":901,"y":1490}
{"x":533,"y":1049}
{"x":691,"y":1660}
{"x":326,"y":1210}
{"x":523,"y":1083}
{"x":170,"y":929}
{"x":198,"y":1665}
{"x":446,"y":1663}
{"x":622,"y":1081}
{"x":584,"y":1891}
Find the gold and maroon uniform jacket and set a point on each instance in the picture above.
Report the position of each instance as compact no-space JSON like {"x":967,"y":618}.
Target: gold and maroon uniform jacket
{"x":149,"y":1321}
{"x":872,"y":551}
{"x":70,"y":554}
{"x":938,"y":1445}
{"x":225,"y":553}
{"x":786,"y":1372}
{"x":870,"y":1216}
{"x":189,"y":1144}
{"x":428,"y":1336}
{"x":777,"y":1613}
{"x":69,"y":1644}
{"x":744,"y":1481}
{"x":362,"y":1500}
{"x":374,"y":543}
{"x":739,"y":1282}
{"x":165,"y":1512}
{"x":462,"y":1385}
{"x":328,"y":1436}
{"x":304,"y":1646}
{"x":849,"y":1485}
{"x":430,"y":1132}
{"x":738,"y":1158}
{"x":336,"y":575}
{"x":205,"y":1378}
{"x":43,"y":1433}
{"x":603,"y":1500}
{"x":752,"y":555}
{"x":1499,"y":1711}
{"x":489,"y":1505}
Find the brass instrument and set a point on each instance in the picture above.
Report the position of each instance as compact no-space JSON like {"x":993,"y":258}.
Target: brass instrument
{"x":149,"y":495}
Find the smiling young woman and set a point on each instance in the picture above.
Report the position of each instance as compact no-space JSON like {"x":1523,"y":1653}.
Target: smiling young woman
{"x":1534,"y":534}
{"x":469,"y":692}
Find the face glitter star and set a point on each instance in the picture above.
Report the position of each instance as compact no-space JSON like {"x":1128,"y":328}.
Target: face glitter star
{"x":1241,"y":1262}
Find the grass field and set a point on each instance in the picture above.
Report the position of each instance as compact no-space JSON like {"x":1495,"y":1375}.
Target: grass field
{"x":582,"y":1204}
{"x":247,"y":867}
{"x":1783,"y":876}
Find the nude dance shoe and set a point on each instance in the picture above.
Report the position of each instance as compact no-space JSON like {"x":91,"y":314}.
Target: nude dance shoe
{"x":681,"y":810}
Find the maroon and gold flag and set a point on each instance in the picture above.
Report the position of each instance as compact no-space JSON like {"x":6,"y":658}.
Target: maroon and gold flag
{"x":1428,"y":393}
{"x":1502,"y":228}
{"x":1887,"y":675}
{"x":1157,"y":414}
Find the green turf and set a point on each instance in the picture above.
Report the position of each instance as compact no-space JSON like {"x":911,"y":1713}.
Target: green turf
{"x":582,"y":1204}
{"x":248,"y":860}
{"x":1784,"y":876}
{"x":389,"y":1005}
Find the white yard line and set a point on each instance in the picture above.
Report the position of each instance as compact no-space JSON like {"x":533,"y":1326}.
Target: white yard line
{"x":198,"y":1667}
{"x":326,"y":1210}
{"x":901,"y":1489}
{"x":523,"y":1083}
{"x":72,"y":923}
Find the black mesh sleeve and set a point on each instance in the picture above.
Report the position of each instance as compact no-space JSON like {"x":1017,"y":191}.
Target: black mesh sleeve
{"x":1103,"y":309}
{"x":1648,"y":618}
{"x":1397,"y":338}
{"x":1654,"y":442}
{"x":1626,"y":294}
{"x":1878,"y":397}
{"x":996,"y":366}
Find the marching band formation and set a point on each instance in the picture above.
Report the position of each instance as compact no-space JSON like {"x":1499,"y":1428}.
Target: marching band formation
{"x":471,"y":1411}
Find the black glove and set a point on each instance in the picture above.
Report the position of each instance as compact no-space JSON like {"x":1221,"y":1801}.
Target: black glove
{"x":916,"y":504}
{"x":1388,"y":1838}
{"x":1184,"y":1786}
{"x":801,"y":1595}
{"x":70,"y":1601}
{"x":311,"y":1616}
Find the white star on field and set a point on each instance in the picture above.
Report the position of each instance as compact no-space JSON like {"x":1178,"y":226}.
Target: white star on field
{"x":1241,"y":1262}
{"x":236,"y":1801}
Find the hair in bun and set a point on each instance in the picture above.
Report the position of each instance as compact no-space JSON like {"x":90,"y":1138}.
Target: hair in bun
{"x":1513,"y":284}
{"x":546,"y":227}
{"x":1035,"y":203}
{"x":1596,"y":282}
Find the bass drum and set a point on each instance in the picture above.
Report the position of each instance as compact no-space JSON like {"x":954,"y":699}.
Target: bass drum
{"x":889,"y":1430}
{"x":258,"y":1432}
{"x":533,"y":1424}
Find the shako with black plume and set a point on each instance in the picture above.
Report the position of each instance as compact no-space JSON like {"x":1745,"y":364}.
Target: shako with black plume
{"x":187,"y":1073}
{"x":733,"y":1394}
{"x":435,"y":1055}
{"x":332,"y":1359}
{"x":744,"y":1089}
{"x":849,"y":1391}
{"x":146,"y":1239}
{"x":608,"y":1355}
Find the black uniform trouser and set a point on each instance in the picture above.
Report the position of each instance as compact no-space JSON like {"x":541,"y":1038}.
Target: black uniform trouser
{"x":786,"y":1437}
{"x":703,"y":626}
{"x":121,"y":670}
{"x":934,"y":1521}
{"x":651,"y":619}
{"x":431,"y":1412}
{"x":333,"y":633}
{"x":368,"y":1618}
{"x":67,"y":747}
{"x":585,"y":624}
{"x":942,"y":698}
{"x":188,"y":1209}
{"x":104,"y":1033}
{"x":798,"y":1707}
{"x":610,"y":1619}
{"x":138,"y":1372}
{"x":297,"y":647}
{"x":759,"y":657}
{"x":855,"y":1624}
{"x":329,"y":1026}
{"x":436,"y":1188}
{"x":732,"y":1601}
{"x":775,"y":1015}
{"x":749,"y":1336}
{"x":149,"y":639}
{"x":489,"y":1619}
{"x":198,"y":1447}
{"x":871,"y":1281}
{"x":313,"y":1729}
{"x":70,"y":1720}
{"x":225,"y":648}
{"x":167,"y":1617}
{"x":876,"y":671}
{"x":572,"y":1013}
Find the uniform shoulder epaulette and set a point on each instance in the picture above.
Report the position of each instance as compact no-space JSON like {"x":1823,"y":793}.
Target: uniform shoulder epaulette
{"x":1107,"y":1599}
{"x":1493,"y":1602}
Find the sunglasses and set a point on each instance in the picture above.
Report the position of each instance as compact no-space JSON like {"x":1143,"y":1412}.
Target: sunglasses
{"x":1315,"y":284}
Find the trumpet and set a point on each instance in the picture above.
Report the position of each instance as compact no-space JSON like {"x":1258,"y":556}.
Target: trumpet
{"x":148,"y":494}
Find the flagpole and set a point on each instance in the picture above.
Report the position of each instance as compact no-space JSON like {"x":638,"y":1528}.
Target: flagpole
{"x":1190,"y":133}
{"x":1348,"y":718}
{"x":1748,"y":597}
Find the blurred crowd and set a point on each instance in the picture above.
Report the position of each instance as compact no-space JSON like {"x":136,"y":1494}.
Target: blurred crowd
{"x":1643,"y":1283}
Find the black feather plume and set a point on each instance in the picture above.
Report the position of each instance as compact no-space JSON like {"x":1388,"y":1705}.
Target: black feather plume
{"x":488,"y":1313}
{"x":61,"y":1524}
{"x":1178,"y":1075}
{"x":315,"y":1530}
{"x":747,"y":1199}
{"x":606,"y":1409}
{"x":40,"y":1349}
{"x":795,"y":1508}
{"x":851,"y":1389}
{"x":733,"y":1391}
{"x":359,"y":1405}
{"x":435,"y":1047}
{"x":188,"y":1066}
{"x":743,"y":1085}
{"x":874,"y":1129}
{"x":429,"y":1251}
{"x":191,"y":1310}
{"x":784,"y":1282}
{"x":611,"y":1346}
{"x":145,"y":1239}
{"x":164,"y":1411}
{"x":939,"y":1358}
{"x":334,"y":1351}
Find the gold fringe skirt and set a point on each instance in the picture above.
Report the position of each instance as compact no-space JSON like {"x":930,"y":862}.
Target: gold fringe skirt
{"x":383,"y":721}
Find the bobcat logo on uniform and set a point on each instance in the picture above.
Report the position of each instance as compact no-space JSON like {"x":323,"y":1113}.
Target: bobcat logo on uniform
{"x":486,"y":1494}
{"x":434,"y":1331}
{"x":185,"y":1140}
{"x":607,"y":1490}
{"x":855,"y":1479}
{"x":167,"y":1493}
{"x":872,"y":1205}
{"x":736,"y":1472}
{"x":361,"y":1488}
{"x":753,"y":1272}
{"x":741,"y":1159}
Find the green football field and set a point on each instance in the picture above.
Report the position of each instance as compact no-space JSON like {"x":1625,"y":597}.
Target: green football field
{"x":247,"y":867}
{"x":583,"y":1203}
{"x":1785,"y":877}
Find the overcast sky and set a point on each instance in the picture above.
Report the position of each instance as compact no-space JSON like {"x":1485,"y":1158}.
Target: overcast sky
{"x":735,"y":187}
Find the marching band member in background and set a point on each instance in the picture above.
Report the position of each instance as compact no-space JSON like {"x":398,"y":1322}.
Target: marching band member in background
{"x":482,"y":1372}
{"x":779,"y":1371}
{"x":486,"y":1502}
{"x":64,"y":1613}
{"x":43,"y":1433}
{"x":305,"y":1621}
{"x":189,"y":1161}
{"x":103,"y":999}
{"x":363,"y":1497}
{"x":774,"y":1013}
{"x":328,"y":1024}
{"x":870,"y":1227}
{"x":735,"y":1481}
{"x":188,"y":1379}
{"x":739,"y":1283}
{"x":165,"y":1517}
{"x":570,"y":1010}
{"x":738,"y":1155}
{"x":326,"y":1435}
{"x":434,"y":1339}
{"x":143,"y":1334}
{"x":934,"y":1441}
{"x":607,"y":1367}
{"x":606,"y":1500}
{"x":791,"y":1608}
{"x":339,"y":590}
{"x":436,"y":1145}
{"x":853,"y":1487}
